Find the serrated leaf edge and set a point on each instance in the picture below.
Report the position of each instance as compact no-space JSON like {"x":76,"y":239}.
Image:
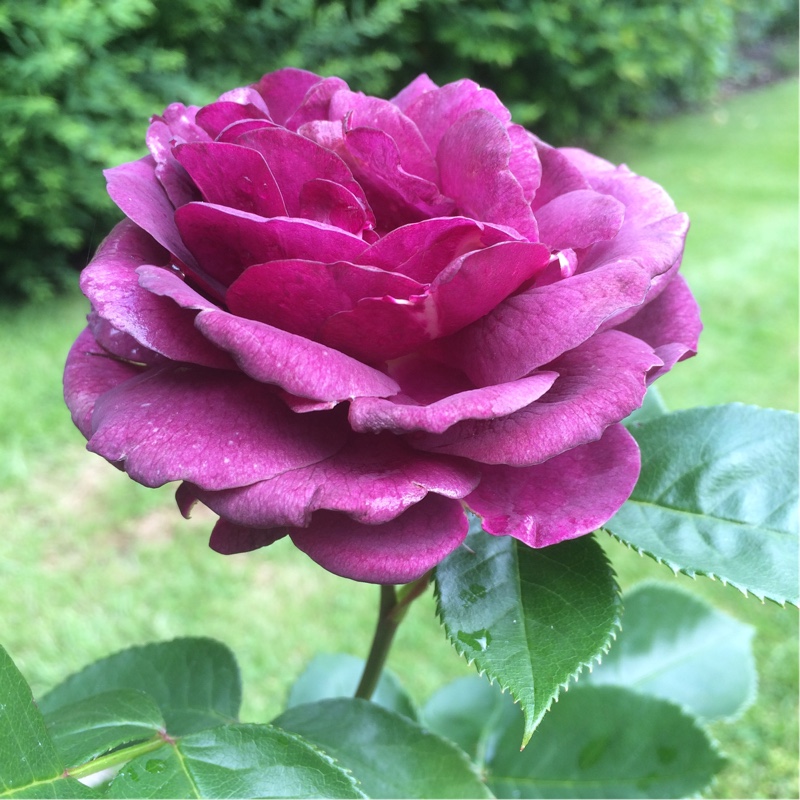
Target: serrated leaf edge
{"x":678,"y":570}
{"x":532,"y":724}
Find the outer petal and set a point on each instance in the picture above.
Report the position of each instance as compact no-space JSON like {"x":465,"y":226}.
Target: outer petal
{"x":417,"y":87}
{"x":670,"y":325}
{"x":399,"y":551}
{"x":372,"y":414}
{"x":567,"y":496}
{"x":535,"y":326}
{"x":298,"y":365}
{"x":135,"y":188}
{"x":559,"y":175}
{"x":473,"y":159}
{"x":228,"y":538}
{"x":90,"y":373}
{"x":112,"y":284}
{"x":215,"y":429}
{"x":373,"y":479}
{"x":600,"y":383}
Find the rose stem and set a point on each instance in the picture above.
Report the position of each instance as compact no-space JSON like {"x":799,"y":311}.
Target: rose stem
{"x":393,"y":607}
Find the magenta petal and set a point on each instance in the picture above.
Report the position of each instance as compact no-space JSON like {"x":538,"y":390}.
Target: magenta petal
{"x":284,"y":90}
{"x":670,"y":324}
{"x":524,"y":163}
{"x":644,"y":200}
{"x":579,"y":219}
{"x":417,"y":87}
{"x":214,"y":428}
{"x":232,"y":175}
{"x":567,"y":496}
{"x":434,"y":112}
{"x":228,"y":538}
{"x":422,"y":250}
{"x":296,"y":364}
{"x":295,"y":160}
{"x":559,"y":175}
{"x":177,"y":124}
{"x":361,"y":111}
{"x":298,"y":296}
{"x":333,"y":204}
{"x":373,"y":414}
{"x":118,"y":343}
{"x":90,"y":372}
{"x":372,"y":479}
{"x":532,"y":328}
{"x":399,"y":551}
{"x":473,"y":160}
{"x":226,"y":241}
{"x":214,"y":118}
{"x":599,"y":383}
{"x":316,"y":103}
{"x":112,"y":283}
{"x":135,"y":188}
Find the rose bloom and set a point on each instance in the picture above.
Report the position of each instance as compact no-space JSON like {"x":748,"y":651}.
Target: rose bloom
{"x":350,"y":320}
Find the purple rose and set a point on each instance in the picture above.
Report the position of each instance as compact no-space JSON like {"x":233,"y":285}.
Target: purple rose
{"x":348,"y":320}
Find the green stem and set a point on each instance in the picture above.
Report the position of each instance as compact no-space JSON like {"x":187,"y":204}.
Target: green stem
{"x":116,"y":758}
{"x":393,"y":608}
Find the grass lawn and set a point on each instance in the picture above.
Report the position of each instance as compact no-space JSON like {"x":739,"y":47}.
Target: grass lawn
{"x":91,"y":563}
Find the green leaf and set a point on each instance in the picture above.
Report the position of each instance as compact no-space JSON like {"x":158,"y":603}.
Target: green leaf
{"x":675,"y":646}
{"x":235,"y":761}
{"x":88,"y":728}
{"x":29,"y":763}
{"x":338,"y":675}
{"x":388,"y":754}
{"x":195,"y":682}
{"x":472,"y":713}
{"x":652,"y":408}
{"x":530,"y":619}
{"x":606,"y":741}
{"x":718,"y":496}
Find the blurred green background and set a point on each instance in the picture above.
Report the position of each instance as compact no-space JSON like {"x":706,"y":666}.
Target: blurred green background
{"x":91,"y":563}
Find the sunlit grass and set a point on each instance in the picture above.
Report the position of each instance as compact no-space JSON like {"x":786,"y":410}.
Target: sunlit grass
{"x":91,"y":563}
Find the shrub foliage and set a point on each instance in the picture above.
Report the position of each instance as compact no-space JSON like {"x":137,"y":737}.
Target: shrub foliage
{"x":80,"y":78}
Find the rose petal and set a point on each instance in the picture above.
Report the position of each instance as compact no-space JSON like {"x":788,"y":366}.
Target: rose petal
{"x":417,"y":87}
{"x":579,"y":219}
{"x":296,"y":364}
{"x":372,"y":414}
{"x":380,"y":329}
{"x":644,"y":200}
{"x":537,"y":325}
{"x":177,"y":124}
{"x":299,"y":295}
{"x":214,"y":428}
{"x":473,"y":159}
{"x":112,"y":284}
{"x":295,"y":160}
{"x":424,"y":249}
{"x":228,"y":539}
{"x":90,"y":372}
{"x":118,"y":343}
{"x":373,"y":479}
{"x":232,"y":175}
{"x":333,"y":204}
{"x":214,"y":118}
{"x":524,"y":162}
{"x":284,"y":90}
{"x":599,"y":383}
{"x":567,"y":496}
{"x":316,"y":103}
{"x":361,"y":111}
{"x":435,"y":111}
{"x":399,"y":551}
{"x":135,"y":188}
{"x":559,"y":175}
{"x":670,"y":325}
{"x":226,"y":241}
